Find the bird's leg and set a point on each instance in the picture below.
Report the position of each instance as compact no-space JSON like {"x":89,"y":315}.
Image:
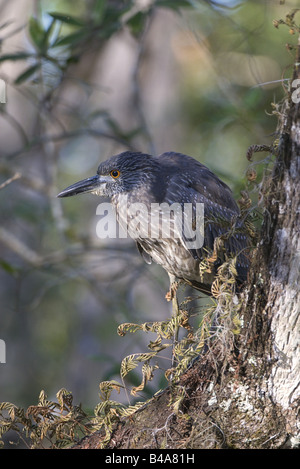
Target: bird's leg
{"x":172,"y":296}
{"x":174,"y":284}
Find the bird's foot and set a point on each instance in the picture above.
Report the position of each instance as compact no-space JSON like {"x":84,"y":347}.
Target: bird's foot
{"x":170,"y":295}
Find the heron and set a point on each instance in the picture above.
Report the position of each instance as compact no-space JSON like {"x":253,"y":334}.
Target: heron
{"x":154,"y":183}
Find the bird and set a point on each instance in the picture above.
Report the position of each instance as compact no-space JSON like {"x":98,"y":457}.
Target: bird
{"x":173,"y":179}
{"x":154,"y":184}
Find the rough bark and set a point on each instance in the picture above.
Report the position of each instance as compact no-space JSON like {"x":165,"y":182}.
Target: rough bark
{"x":245,"y":393}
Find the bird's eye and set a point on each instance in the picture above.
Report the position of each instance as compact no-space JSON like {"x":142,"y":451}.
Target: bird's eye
{"x":115,"y":173}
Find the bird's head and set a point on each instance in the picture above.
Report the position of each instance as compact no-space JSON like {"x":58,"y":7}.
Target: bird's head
{"x":119,"y":174}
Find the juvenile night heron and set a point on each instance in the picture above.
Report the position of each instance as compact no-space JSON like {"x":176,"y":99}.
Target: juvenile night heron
{"x":155,"y":183}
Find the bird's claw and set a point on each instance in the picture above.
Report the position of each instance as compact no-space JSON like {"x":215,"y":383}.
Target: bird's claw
{"x":170,"y":295}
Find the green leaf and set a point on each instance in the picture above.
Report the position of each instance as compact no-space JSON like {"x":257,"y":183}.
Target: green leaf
{"x":174,"y":5}
{"x":27,"y":74}
{"x":8,"y":267}
{"x":65,"y":18}
{"x":71,"y":39}
{"x":136,"y":23}
{"x":17,"y":56}
{"x":37,"y":34}
{"x":99,"y":10}
{"x":49,"y":32}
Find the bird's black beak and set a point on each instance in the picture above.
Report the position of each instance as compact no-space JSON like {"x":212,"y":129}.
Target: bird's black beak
{"x":90,"y":184}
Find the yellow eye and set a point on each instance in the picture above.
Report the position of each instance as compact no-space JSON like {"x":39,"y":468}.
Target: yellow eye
{"x":115,"y":173}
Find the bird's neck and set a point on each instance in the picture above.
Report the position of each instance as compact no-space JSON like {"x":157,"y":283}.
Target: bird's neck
{"x":133,"y":207}
{"x":140,"y":195}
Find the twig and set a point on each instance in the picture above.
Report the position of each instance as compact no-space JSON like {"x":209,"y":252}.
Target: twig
{"x":136,"y":86}
{"x":16,"y":125}
{"x":8,"y":181}
{"x":7,"y":238}
{"x":67,"y":135}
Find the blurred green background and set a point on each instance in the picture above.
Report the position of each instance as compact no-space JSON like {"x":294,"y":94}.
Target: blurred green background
{"x":85,"y":80}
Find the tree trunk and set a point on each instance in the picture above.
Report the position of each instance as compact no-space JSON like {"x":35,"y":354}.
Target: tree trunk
{"x":242,"y":393}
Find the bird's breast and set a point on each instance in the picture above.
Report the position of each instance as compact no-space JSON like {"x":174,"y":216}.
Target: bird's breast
{"x":157,"y":231}
{"x":148,"y":220}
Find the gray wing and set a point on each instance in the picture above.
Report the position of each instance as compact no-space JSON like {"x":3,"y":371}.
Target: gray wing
{"x":223,"y":223}
{"x":147,"y":258}
{"x":197,"y":184}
